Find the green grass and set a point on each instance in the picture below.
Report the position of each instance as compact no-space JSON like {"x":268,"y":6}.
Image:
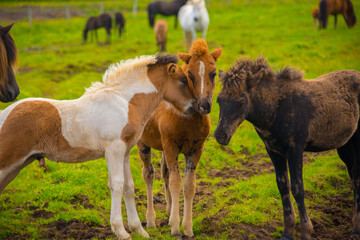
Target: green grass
{"x":54,"y":63}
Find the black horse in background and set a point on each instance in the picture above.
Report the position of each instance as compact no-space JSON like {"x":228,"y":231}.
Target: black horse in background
{"x":93,"y":23}
{"x":164,"y":8}
{"x":292,"y":115}
{"x":120,"y":21}
{"x":9,"y":88}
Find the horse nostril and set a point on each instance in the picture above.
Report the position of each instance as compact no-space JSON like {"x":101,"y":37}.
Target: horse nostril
{"x":195,"y":19}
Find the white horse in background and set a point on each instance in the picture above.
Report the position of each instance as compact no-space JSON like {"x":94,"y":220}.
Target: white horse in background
{"x":193,"y":17}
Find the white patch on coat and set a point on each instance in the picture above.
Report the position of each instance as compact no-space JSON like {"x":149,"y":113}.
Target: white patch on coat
{"x":202,"y":74}
{"x":102,"y":112}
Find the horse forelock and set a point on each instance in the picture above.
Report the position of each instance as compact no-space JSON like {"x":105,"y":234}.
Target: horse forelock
{"x":164,"y":59}
{"x":119,"y":72}
{"x":199,"y":48}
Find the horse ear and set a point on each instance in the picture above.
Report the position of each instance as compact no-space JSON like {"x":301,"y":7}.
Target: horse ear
{"x":171,"y":68}
{"x":6,"y":29}
{"x":221,"y":73}
{"x":184,"y":57}
{"x":216,"y":53}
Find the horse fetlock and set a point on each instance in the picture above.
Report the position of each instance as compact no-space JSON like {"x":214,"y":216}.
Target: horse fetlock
{"x":188,"y":231}
{"x":120,"y":231}
{"x":175,"y":225}
{"x":140,"y":230}
{"x":150,"y":218}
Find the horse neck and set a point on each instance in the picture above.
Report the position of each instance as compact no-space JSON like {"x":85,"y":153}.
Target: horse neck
{"x":263,"y":103}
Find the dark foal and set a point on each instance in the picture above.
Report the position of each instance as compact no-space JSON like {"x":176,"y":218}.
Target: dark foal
{"x":93,"y":23}
{"x":164,"y":8}
{"x":292,"y":115}
{"x":120,"y":21}
{"x":9,"y":88}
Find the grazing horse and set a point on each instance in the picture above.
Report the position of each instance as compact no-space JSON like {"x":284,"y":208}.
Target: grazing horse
{"x":9,"y":88}
{"x":93,"y":23}
{"x":164,"y":8}
{"x":107,"y":121}
{"x":160,"y":33}
{"x":172,"y":132}
{"x":292,"y":115}
{"x":193,"y":17}
{"x":334,"y":7}
{"x":120,"y":21}
{"x":316,"y":15}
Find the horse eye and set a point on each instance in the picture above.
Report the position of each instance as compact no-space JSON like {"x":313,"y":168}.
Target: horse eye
{"x":184,"y":81}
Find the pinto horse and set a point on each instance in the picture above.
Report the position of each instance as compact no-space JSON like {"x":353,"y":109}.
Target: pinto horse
{"x":107,"y":121}
{"x":193,"y":17}
{"x":334,"y":7}
{"x":172,"y":132}
{"x":164,"y":8}
{"x":292,"y":115}
{"x":93,"y":23}
{"x":9,"y":88}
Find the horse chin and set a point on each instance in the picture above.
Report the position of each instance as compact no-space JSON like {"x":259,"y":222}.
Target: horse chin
{"x":222,"y":137}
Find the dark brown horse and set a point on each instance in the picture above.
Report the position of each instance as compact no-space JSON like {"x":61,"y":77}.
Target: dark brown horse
{"x":334,"y":7}
{"x":120,"y":21}
{"x":93,"y":23}
{"x":164,"y":8}
{"x":9,"y":88}
{"x":292,"y":115}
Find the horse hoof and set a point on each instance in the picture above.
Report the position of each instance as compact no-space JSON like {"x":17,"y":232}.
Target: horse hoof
{"x":286,"y":238}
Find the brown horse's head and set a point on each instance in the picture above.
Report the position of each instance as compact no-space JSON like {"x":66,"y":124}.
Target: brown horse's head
{"x":200,"y":66}
{"x":9,"y":88}
{"x":235,"y":97}
{"x":350,"y":14}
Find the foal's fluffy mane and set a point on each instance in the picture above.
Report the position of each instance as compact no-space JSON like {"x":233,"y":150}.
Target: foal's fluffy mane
{"x":118,"y":73}
{"x":198,"y":48}
{"x":246,"y":69}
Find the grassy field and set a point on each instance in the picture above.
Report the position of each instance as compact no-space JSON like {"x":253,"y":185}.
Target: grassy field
{"x":237,"y":196}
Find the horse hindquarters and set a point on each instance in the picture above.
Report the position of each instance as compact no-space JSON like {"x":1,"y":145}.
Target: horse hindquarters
{"x":350,"y":154}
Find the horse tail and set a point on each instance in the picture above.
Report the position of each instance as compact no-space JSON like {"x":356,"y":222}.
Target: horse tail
{"x":351,"y":18}
{"x":323,"y":13}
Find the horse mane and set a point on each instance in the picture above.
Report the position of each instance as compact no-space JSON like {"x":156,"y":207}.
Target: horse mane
{"x":199,"y":48}
{"x":8,"y":56}
{"x":289,"y":74}
{"x":124,"y":70}
{"x":250,"y":72}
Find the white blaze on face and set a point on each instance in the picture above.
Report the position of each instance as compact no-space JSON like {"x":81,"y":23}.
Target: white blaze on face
{"x":202,"y":73}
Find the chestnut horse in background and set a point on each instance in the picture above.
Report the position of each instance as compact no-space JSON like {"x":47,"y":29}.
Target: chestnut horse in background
{"x":9,"y":88}
{"x":334,"y":7}
{"x":316,"y":15}
{"x":161,"y":29}
{"x":170,"y":131}
{"x":93,"y":23}
{"x":107,"y":121}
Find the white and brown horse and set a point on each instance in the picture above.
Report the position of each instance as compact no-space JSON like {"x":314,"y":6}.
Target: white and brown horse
{"x":107,"y":121}
{"x":9,"y":88}
{"x":171,"y":131}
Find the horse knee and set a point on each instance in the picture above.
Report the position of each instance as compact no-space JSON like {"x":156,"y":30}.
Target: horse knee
{"x":116,"y":184}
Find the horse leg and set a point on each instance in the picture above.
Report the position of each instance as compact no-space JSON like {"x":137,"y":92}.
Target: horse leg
{"x":176,"y":20}
{"x":7,"y":175}
{"x":335,"y":21}
{"x":188,"y":40}
{"x":114,"y":154}
{"x":204,"y":33}
{"x":148,"y":176}
{"x":129,"y":192}
{"x":295,"y":161}
{"x":108,"y":30}
{"x":165,"y":176}
{"x":282,"y":181}
{"x":192,"y":161}
{"x":356,"y":182}
{"x":171,"y":152}
{"x":347,"y":155}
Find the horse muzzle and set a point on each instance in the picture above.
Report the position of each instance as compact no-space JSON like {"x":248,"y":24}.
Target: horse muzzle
{"x":204,"y":107}
{"x":221,"y":136}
